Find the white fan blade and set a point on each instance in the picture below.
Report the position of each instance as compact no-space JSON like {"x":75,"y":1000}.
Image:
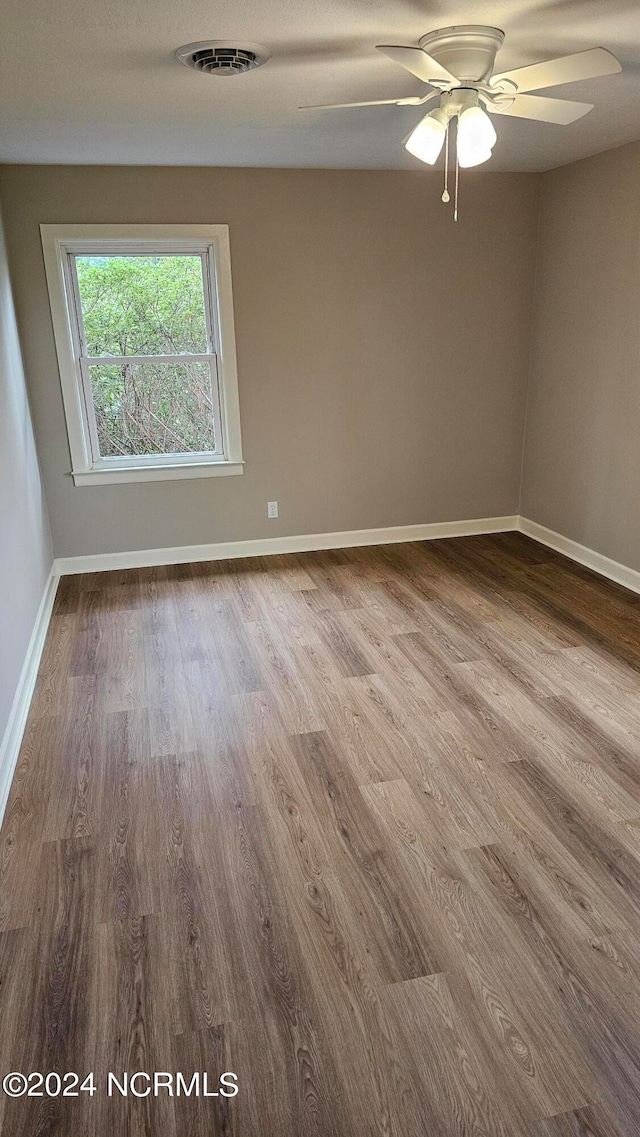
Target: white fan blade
{"x":560,"y":111}
{"x":410,"y":101}
{"x":567,"y":69}
{"x":415,"y":60}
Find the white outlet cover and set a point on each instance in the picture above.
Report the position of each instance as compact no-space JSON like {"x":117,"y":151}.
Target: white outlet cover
{"x":272,"y":509}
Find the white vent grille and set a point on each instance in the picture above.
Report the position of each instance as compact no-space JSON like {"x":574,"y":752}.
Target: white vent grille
{"x":223,"y":57}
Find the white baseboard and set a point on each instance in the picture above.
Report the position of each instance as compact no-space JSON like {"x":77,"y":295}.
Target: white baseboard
{"x":613,"y":570}
{"x":226,"y":550}
{"x":267,"y":546}
{"x":12,"y":738}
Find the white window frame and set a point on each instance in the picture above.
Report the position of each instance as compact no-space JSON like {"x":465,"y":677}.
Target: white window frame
{"x":60,"y":243}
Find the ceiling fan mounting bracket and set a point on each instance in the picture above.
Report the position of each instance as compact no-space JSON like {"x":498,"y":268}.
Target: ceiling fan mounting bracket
{"x":498,"y":101}
{"x":503,"y":87}
{"x":468,"y":50}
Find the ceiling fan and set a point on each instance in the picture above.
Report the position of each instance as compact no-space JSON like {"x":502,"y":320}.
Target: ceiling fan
{"x":458,"y":63}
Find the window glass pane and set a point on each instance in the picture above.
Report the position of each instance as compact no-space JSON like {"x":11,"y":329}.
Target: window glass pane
{"x":149,"y":305}
{"x":153,"y":408}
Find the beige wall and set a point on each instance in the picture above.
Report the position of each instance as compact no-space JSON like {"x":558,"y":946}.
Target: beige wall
{"x":382,"y":349}
{"x":25,"y":543}
{"x":581,"y":474}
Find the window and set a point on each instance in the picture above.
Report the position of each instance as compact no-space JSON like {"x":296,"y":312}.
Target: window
{"x":143,"y":322}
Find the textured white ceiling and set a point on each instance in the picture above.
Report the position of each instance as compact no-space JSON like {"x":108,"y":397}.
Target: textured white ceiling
{"x":96,"y":82}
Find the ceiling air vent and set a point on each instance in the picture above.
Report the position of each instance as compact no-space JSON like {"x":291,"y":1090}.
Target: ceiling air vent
{"x":223,"y":57}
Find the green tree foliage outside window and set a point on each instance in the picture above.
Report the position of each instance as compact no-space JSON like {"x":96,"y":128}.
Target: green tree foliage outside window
{"x":147,"y":305}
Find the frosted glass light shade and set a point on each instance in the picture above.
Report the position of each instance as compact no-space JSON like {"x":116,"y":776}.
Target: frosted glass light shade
{"x":427,"y":140}
{"x":474,"y":158}
{"x":476,"y":137}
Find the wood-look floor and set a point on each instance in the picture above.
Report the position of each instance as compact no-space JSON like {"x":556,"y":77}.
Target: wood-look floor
{"x":362,"y":827}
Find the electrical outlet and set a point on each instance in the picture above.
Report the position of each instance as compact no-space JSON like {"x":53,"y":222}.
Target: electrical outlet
{"x":272,"y":509}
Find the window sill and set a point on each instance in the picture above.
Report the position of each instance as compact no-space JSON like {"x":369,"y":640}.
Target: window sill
{"x":122,"y":474}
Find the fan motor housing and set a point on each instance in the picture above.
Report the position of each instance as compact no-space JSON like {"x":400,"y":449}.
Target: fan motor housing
{"x":223,"y":57}
{"x":467,"y":51}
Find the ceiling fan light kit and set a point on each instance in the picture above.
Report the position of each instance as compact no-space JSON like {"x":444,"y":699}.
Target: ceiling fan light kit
{"x":458,"y":63}
{"x":476,"y":137}
{"x":427,"y":138}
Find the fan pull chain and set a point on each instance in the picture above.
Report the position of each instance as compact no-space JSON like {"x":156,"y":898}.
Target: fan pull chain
{"x":455,"y":200}
{"x":446,"y":196}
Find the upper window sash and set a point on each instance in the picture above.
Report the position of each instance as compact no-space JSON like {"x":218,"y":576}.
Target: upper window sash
{"x":207,"y":262}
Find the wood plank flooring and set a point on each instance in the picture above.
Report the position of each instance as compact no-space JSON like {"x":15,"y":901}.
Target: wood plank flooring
{"x":362,"y":827}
